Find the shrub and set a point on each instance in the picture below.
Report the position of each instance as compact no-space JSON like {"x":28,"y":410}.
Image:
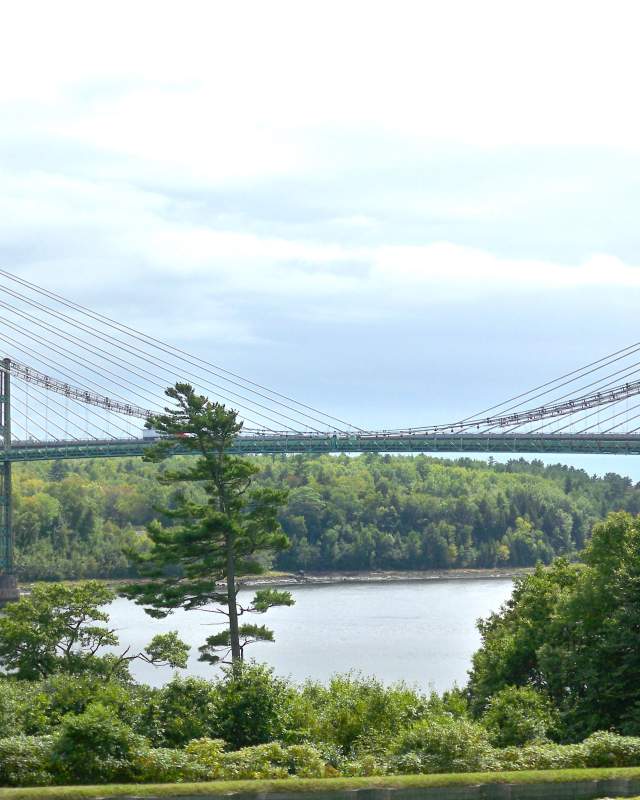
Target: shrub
{"x":260,"y":761}
{"x":26,"y":761}
{"x":305,"y":761}
{"x":408,"y":764}
{"x":517,"y":715}
{"x":331,"y":754}
{"x":253,"y":706}
{"x":363,"y":767}
{"x":360,"y":714}
{"x":443,"y":744}
{"x":209,"y":754}
{"x":72,"y":694}
{"x":22,"y":709}
{"x":454,"y":701}
{"x":167,"y":765}
{"x":96,"y":747}
{"x":542,"y":756}
{"x":606,"y":749}
{"x":186,"y":710}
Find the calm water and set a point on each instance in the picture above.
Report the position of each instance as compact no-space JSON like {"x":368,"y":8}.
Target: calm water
{"x":422,"y":632}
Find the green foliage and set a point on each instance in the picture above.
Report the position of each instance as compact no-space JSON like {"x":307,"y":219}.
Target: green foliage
{"x":260,"y":761}
{"x":23,"y":708}
{"x":209,"y":754}
{"x":247,"y":634}
{"x":26,"y":761}
{"x":65,"y":694}
{"x":567,"y":632}
{"x":517,"y":715}
{"x":601,"y":749}
{"x":186,"y":710}
{"x":512,"y":637}
{"x":366,"y":765}
{"x":78,"y":519}
{"x":558,"y":660}
{"x":358,"y":712}
{"x":167,"y":649}
{"x":383,"y":512}
{"x":264,"y":599}
{"x":443,"y":744}
{"x":270,"y":760}
{"x":605,"y":749}
{"x":542,"y":756}
{"x":56,"y":628}
{"x":305,"y":761}
{"x":62,"y":628}
{"x":592,"y":671}
{"x":252,"y":706}
{"x":96,"y":747}
{"x":166,"y":765}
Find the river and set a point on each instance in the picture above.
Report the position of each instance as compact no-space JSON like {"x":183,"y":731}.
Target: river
{"x":422,"y":632}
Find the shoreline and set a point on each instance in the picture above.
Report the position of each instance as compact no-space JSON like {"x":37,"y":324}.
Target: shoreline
{"x":384,"y":576}
{"x":338,"y":578}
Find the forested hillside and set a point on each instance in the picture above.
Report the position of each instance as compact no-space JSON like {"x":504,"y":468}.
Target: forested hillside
{"x":78,"y":519}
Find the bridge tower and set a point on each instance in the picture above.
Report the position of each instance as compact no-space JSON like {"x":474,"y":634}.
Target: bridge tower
{"x":8,"y":581}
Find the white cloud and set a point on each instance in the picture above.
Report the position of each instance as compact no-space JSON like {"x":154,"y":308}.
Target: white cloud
{"x":144,"y":233}
{"x":464,"y":270}
{"x":242,"y":176}
{"x":227,"y":90}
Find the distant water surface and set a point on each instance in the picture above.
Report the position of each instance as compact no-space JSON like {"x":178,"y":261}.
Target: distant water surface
{"x":422,"y":632}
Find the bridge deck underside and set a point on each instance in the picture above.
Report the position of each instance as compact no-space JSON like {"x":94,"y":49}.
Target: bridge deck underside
{"x":623,"y":444}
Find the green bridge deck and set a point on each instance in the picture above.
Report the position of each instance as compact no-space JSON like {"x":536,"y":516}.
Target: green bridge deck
{"x":622,"y":444}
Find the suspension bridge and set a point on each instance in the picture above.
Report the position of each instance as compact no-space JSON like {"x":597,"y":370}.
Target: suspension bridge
{"x":75,"y":383}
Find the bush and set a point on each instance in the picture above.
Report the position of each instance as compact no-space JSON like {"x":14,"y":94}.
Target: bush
{"x":363,"y":767}
{"x":443,"y":744}
{"x":605,"y":749}
{"x":305,"y":761}
{"x":72,"y":694}
{"x":360,"y":714}
{"x":167,"y":765}
{"x":517,"y":715}
{"x":22,"y":709}
{"x":253,"y":706}
{"x":542,"y":756}
{"x":186,"y":710}
{"x":260,"y":761}
{"x":96,"y":747}
{"x":209,"y":754}
{"x":26,"y":761}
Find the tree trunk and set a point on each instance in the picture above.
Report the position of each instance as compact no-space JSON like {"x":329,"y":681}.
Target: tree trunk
{"x":236,"y":652}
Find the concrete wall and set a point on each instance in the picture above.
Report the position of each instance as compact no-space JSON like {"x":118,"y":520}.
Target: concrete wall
{"x":570,"y":790}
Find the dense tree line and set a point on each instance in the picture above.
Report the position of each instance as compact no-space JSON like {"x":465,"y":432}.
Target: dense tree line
{"x":570,"y":633}
{"x":79,"y":519}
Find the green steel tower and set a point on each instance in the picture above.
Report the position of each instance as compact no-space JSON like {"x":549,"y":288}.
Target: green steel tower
{"x":8,"y":582}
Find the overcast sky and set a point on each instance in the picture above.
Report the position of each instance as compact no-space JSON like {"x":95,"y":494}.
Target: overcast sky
{"x":400,"y":212}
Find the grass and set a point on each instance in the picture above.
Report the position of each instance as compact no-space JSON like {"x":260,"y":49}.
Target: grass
{"x":299,"y":786}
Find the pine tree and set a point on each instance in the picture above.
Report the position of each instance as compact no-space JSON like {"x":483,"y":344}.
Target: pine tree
{"x":215,"y":541}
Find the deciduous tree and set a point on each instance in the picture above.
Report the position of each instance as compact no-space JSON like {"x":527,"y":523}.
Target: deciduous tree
{"x":63,"y":628}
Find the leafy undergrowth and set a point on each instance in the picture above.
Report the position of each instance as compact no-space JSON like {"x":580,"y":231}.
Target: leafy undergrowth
{"x":305,"y":785}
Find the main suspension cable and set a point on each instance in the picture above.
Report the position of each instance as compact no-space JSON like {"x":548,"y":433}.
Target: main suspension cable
{"x":175,"y":352}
